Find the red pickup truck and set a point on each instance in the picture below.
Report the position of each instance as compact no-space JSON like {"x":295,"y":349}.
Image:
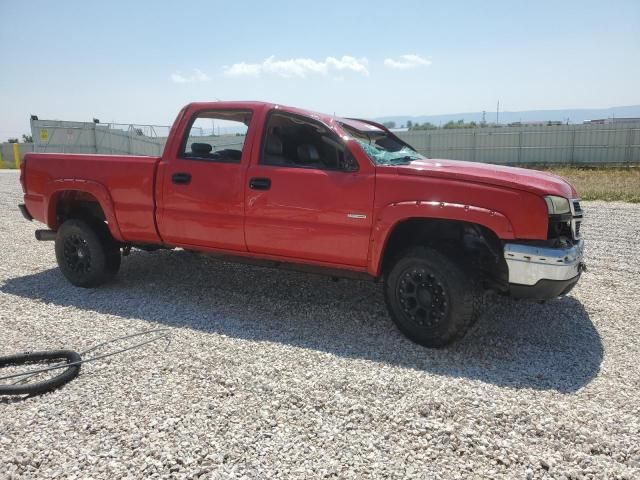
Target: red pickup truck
{"x":289,"y":187}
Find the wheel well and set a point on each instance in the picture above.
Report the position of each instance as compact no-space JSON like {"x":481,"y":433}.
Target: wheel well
{"x":475,"y":247}
{"x":76,"y":204}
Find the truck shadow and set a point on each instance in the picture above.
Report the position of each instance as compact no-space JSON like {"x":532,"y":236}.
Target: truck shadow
{"x":552,"y":346}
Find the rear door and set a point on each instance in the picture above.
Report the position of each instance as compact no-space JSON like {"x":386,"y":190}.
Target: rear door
{"x":202,"y":201}
{"x":307,"y":198}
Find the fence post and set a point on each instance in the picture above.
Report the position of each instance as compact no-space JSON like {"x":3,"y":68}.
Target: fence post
{"x":1,"y":160}
{"x":573,"y":146}
{"x":520,"y":147}
{"x":474,"y":145}
{"x":95,"y":136}
{"x":16,"y":154}
{"x":629,"y":150}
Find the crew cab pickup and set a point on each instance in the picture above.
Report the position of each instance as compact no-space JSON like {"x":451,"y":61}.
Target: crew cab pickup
{"x":289,"y":187}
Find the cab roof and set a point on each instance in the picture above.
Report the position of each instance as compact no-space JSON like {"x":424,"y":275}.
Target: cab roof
{"x":365,"y":126}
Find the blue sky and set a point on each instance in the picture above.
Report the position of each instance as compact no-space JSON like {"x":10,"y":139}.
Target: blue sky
{"x":141,"y":61}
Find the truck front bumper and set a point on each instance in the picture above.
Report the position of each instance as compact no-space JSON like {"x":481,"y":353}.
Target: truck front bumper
{"x":542,"y":273}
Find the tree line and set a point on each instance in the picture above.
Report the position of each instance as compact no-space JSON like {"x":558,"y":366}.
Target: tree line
{"x":25,"y":139}
{"x":430,"y":126}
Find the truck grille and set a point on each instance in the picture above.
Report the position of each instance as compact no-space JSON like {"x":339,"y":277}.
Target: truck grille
{"x":576,"y":218}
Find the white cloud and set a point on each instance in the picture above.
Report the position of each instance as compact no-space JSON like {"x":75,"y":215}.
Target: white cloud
{"x":349,"y":63}
{"x":407,"y":61}
{"x":297,"y":67}
{"x":197,"y":76}
{"x":242,"y":69}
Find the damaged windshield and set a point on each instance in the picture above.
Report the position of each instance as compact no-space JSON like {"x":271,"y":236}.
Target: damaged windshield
{"x":382,"y":148}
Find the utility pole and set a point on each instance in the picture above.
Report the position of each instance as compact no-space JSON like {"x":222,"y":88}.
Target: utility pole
{"x":498,"y":113}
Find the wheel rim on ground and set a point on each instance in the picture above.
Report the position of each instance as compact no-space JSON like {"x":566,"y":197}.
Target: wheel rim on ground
{"x":77,"y":255}
{"x":422,"y":297}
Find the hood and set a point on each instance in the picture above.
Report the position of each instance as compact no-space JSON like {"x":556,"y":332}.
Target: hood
{"x":534,"y":181}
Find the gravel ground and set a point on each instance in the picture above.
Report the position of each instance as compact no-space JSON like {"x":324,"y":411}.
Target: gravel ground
{"x":274,"y":374}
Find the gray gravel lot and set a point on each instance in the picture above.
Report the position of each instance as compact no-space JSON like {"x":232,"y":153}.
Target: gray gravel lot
{"x":275,"y":374}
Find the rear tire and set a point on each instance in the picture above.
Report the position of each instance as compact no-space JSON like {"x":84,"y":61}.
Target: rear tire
{"x":429,"y":297}
{"x":86,"y":253}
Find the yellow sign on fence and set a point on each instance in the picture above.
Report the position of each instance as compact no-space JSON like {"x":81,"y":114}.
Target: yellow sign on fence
{"x":44,"y":135}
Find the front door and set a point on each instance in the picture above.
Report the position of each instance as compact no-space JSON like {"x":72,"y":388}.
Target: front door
{"x":303,"y":199}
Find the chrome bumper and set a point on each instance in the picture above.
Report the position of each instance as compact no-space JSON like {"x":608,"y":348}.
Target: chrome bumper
{"x":529,"y":264}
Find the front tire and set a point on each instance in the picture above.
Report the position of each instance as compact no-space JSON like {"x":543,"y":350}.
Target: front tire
{"x":429,"y":297}
{"x":86,"y":253}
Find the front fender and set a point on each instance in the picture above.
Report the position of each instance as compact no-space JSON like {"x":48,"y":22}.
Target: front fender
{"x":97,"y":190}
{"x":391,"y":215}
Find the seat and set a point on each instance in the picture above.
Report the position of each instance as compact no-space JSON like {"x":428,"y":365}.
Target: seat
{"x":273,"y":151}
{"x":201,"y":149}
{"x":308,"y":155}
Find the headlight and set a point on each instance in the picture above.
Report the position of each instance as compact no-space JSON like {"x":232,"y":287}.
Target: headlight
{"x":557,"y":205}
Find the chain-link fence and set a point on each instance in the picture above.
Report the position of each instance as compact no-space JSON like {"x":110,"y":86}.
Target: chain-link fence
{"x":88,"y":137}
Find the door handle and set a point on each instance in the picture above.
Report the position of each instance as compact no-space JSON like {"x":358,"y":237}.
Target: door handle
{"x":181,"y":178}
{"x":260,"y":183}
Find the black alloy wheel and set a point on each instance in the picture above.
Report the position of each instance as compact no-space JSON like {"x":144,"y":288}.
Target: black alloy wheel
{"x":423,"y":297}
{"x":77,"y":254}
{"x":429,"y":297}
{"x":86,"y":253}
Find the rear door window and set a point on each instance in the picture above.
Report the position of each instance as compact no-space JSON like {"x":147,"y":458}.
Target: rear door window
{"x":217,"y":136}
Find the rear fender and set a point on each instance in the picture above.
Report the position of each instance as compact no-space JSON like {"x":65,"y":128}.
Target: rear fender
{"x":391,"y":215}
{"x":95,"y":189}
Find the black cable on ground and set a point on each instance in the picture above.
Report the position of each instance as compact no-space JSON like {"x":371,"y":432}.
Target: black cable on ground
{"x":71,"y":366}
{"x":35,"y":357}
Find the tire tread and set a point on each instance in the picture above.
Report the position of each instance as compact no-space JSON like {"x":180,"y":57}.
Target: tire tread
{"x":103,"y":246}
{"x":463,"y":292}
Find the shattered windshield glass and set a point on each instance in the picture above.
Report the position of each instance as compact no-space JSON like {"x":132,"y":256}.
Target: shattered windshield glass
{"x":382,"y":148}
{"x":382,"y":156}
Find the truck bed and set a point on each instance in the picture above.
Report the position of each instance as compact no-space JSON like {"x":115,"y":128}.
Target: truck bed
{"x":125,"y":181}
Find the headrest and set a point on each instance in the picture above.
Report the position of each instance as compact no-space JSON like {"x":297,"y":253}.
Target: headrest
{"x":273,"y":145}
{"x":308,"y":153}
{"x":201,"y":148}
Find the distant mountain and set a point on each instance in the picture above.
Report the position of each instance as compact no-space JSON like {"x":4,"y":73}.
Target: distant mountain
{"x":573,"y":115}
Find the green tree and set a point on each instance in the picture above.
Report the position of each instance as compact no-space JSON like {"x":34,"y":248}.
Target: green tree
{"x":424,"y":126}
{"x":27,"y":138}
{"x":459,"y":124}
{"x":409,"y":124}
{"x":390,"y":124}
{"x":13,"y":140}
